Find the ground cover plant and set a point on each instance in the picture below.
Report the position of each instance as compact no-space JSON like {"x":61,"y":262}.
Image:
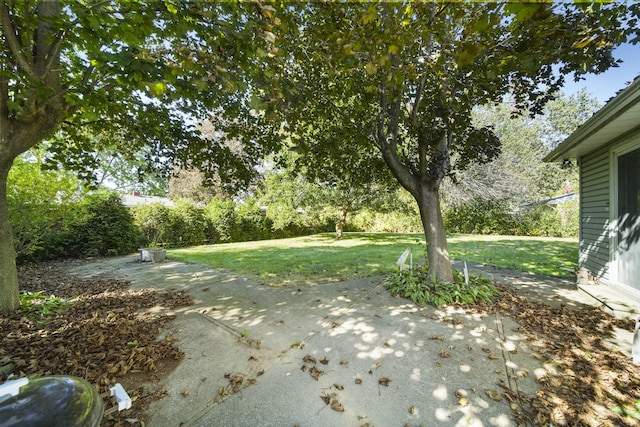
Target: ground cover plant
{"x":320,"y":258}
{"x":418,"y":286}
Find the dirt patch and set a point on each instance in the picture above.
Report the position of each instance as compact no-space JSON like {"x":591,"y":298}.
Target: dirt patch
{"x":106,"y":335}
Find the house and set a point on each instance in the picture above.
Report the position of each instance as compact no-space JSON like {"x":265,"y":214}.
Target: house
{"x":607,"y":150}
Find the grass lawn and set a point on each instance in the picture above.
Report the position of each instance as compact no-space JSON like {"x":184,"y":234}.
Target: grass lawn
{"x":321,"y":259}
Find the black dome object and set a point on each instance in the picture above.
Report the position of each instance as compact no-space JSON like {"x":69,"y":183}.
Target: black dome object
{"x":55,"y":401}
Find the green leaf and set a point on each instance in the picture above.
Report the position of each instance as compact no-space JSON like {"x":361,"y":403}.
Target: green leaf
{"x":171,"y":7}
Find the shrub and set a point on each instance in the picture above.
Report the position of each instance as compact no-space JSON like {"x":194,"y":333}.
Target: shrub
{"x":416,"y":285}
{"x":42,"y":203}
{"x":186,"y":225}
{"x":106,"y":229}
{"x":222,"y":215}
{"x":251,"y":223}
{"x":152,"y":220}
{"x":481,"y":217}
{"x":559,"y":221}
{"x":385,"y":222}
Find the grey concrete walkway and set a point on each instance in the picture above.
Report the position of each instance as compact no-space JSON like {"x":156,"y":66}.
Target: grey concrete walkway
{"x":261,"y":356}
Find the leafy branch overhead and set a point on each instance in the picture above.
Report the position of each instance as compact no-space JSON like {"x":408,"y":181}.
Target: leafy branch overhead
{"x":395,"y":84}
{"x":127,"y":77}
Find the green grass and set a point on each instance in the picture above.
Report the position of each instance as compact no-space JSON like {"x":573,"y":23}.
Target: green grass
{"x":540,"y":255}
{"x":321,"y":259}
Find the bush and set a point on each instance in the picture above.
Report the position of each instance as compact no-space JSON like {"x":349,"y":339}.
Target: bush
{"x":385,"y":222}
{"x":222,"y":217}
{"x":559,"y":221}
{"x":417,"y":286}
{"x":42,"y":203}
{"x":481,"y":217}
{"x":106,"y":229}
{"x":152,"y":220}
{"x":186,"y":225}
{"x":251,"y":223}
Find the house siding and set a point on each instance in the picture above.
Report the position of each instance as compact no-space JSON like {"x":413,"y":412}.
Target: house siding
{"x":594,"y":214}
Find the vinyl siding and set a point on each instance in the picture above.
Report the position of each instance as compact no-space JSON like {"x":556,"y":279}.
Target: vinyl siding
{"x":594,"y":213}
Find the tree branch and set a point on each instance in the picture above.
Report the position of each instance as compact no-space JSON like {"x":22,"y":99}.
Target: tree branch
{"x":13,"y":43}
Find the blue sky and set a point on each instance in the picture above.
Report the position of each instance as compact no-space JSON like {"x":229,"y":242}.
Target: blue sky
{"x":604,"y":86}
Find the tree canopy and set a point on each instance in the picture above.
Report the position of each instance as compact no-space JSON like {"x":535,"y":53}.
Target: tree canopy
{"x":141,"y":71}
{"x":396,"y":81}
{"x":400,"y":80}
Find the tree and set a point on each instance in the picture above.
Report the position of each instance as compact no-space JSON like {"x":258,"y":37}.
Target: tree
{"x":518,"y":174}
{"x":146,"y":70}
{"x":127,"y":175}
{"x":402,"y":80}
{"x":565,"y":114}
{"x":189,"y":184}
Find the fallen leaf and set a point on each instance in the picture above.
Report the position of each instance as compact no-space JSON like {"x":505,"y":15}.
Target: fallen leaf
{"x":315,"y":373}
{"x":495,"y":395}
{"x":437,"y":337}
{"x":185,"y":393}
{"x":337,"y":406}
{"x":444,"y":353}
{"x":338,"y":386}
{"x":326,"y":398}
{"x":309,"y":359}
{"x":344,"y":362}
{"x":358,"y":381}
{"x":384,"y":381}
{"x":325,"y":361}
{"x":463,"y":401}
{"x":493,"y":357}
{"x":412,"y":410}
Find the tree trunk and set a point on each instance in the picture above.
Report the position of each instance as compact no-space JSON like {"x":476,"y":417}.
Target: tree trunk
{"x":435,"y":235}
{"x":342,"y":221}
{"x":9,"y":290}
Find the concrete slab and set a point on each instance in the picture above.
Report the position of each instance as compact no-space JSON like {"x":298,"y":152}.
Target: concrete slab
{"x":612,"y":301}
{"x":343,"y":354}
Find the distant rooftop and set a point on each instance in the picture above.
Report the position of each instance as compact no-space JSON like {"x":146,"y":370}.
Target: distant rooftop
{"x":132,"y":200}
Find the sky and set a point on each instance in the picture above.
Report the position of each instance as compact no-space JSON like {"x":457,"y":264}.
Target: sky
{"x":604,"y":86}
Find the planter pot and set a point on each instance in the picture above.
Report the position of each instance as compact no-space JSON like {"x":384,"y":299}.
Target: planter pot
{"x":152,"y":255}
